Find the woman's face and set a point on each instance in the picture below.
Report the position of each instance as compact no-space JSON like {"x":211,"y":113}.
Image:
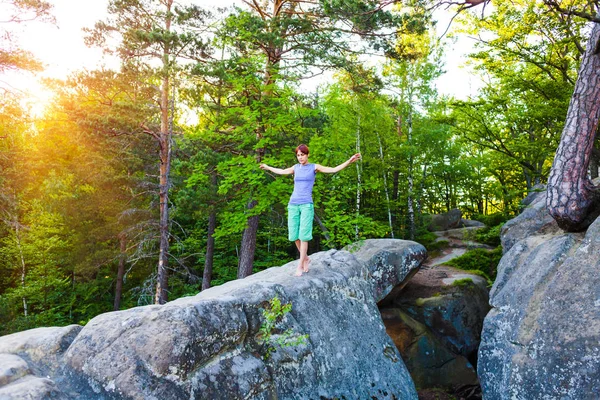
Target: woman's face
{"x":302,"y":158}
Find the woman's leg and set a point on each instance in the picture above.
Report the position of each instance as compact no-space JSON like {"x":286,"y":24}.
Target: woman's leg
{"x":303,"y":263}
{"x":294,"y":217}
{"x":298,"y":246}
{"x":305,"y":234}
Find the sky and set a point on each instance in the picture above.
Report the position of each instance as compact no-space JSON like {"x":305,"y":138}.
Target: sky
{"x":61,"y":48}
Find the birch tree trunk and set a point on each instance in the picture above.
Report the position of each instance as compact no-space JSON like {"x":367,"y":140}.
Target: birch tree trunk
{"x":387,"y":194}
{"x":572,"y":199}
{"x":420,"y":198}
{"x":395,"y":194}
{"x":358,"y":177}
{"x":411,"y":211}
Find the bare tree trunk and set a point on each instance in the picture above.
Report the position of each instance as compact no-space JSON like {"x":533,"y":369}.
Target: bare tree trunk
{"x":395,"y":193}
{"x":120,"y":271}
{"x":528,"y":180}
{"x":162,"y":278}
{"x":323,"y":228}
{"x":420,"y":198}
{"x":387,"y":194}
{"x":248,"y":245}
{"x":573,"y":201}
{"x":210,"y":246}
{"x":411,"y":211}
{"x":358,"y":177}
{"x":23,"y":265}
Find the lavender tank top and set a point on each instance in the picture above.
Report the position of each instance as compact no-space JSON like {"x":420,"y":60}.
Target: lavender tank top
{"x":304,"y":179}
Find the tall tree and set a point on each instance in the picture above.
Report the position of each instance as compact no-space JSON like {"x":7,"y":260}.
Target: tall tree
{"x":156,"y":33}
{"x":573,"y":200}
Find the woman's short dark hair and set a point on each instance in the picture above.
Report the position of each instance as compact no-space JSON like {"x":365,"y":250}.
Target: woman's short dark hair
{"x":302,"y":148}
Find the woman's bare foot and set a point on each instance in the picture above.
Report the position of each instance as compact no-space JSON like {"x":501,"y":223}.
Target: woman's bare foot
{"x":298,"y":271}
{"x":305,"y":266}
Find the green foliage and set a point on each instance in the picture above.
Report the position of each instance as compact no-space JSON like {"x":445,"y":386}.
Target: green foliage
{"x":482,"y":260}
{"x":530,"y":59}
{"x":491,"y":220}
{"x":463,"y":283}
{"x":490,"y":236}
{"x":270,"y":337}
{"x":429,"y":240}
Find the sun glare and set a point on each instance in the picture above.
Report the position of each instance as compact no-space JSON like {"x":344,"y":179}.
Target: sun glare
{"x":37,"y":100}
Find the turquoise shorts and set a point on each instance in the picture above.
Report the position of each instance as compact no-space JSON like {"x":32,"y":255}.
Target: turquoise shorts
{"x":300,"y":221}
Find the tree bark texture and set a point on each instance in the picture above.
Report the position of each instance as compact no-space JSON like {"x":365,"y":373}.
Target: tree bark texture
{"x":420,"y":196}
{"x":385,"y":186}
{"x":120,"y":271}
{"x":358,"y":176}
{"x":573,"y":200}
{"x":210,"y":250}
{"x":248,"y":245}
{"x":395,"y":194}
{"x":23,"y":265}
{"x":161,"y":295}
{"x":411,"y":209}
{"x":324,"y":230}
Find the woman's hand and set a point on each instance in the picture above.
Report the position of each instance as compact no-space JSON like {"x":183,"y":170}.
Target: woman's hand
{"x":355,"y":158}
{"x":264,"y":166}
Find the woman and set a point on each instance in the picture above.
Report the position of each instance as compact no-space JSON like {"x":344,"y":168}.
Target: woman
{"x":300,"y":208}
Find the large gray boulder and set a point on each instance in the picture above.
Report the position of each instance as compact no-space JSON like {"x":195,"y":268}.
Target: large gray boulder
{"x":445,"y":221}
{"x":541,"y":338}
{"x":534,"y":220}
{"x":209,"y":346}
{"x":28,"y":358}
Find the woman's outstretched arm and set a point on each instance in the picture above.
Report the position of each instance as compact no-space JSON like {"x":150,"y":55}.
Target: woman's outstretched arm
{"x":277,"y":171}
{"x":330,"y":170}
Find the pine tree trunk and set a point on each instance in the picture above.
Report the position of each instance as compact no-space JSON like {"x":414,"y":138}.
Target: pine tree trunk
{"x":162,"y":278}
{"x":120,"y":272}
{"x":248,"y":245}
{"x":572,"y":199}
{"x":210,"y":250}
{"x":23,"y":265}
{"x":324,"y":230}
